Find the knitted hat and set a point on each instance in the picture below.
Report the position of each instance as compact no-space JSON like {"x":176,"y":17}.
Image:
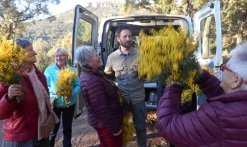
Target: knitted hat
{"x":23,"y":42}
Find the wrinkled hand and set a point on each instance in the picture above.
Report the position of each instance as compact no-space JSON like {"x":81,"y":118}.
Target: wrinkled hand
{"x":118,"y":133}
{"x":57,"y":93}
{"x":13,"y":91}
{"x":68,"y":96}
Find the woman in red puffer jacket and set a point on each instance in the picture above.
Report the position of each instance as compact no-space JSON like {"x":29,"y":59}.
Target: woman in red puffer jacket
{"x":22,"y":122}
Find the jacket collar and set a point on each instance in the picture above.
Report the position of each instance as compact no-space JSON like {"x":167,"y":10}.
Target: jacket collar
{"x":132,"y":51}
{"x":56,"y":67}
{"x":97,"y":72}
{"x":231,"y":97}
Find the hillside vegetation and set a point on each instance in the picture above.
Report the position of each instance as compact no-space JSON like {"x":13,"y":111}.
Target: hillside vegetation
{"x":48,"y":35}
{"x":52,"y":31}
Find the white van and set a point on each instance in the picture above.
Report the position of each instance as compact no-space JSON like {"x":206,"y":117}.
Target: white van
{"x":207,"y":20}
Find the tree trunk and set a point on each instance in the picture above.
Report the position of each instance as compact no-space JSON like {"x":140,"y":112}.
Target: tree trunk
{"x":189,"y":8}
{"x":205,"y":37}
{"x":9,"y":31}
{"x":240,"y":34}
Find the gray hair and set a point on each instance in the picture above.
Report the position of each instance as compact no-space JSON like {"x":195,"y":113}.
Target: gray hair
{"x":84,"y":53}
{"x":63,"y":50}
{"x":238,"y":62}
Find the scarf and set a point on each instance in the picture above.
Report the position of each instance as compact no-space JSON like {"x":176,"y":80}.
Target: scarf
{"x":43,"y":100}
{"x":127,"y":128}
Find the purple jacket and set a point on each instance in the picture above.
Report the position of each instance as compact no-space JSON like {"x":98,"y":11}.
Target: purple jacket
{"x":220,"y":123}
{"x":102,"y":102}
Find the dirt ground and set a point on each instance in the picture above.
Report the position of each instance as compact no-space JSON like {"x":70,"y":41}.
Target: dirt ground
{"x":153,"y":137}
{"x":83,"y":135}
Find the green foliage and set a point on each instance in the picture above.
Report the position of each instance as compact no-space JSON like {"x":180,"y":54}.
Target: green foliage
{"x":158,"y":6}
{"x":233,"y":12}
{"x":84,"y":33}
{"x":44,"y":62}
{"x":186,"y":7}
{"x":234,"y":22}
{"x":166,"y":7}
{"x":13,"y":13}
{"x":41,"y":47}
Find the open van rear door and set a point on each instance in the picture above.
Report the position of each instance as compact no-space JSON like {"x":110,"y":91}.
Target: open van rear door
{"x":85,"y":29}
{"x":85,"y":32}
{"x":207,"y":23}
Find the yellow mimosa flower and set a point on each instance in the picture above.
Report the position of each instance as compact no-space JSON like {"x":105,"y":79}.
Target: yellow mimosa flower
{"x":66,"y":78}
{"x":165,"y":54}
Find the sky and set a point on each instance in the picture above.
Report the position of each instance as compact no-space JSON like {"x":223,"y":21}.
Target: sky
{"x":68,"y":5}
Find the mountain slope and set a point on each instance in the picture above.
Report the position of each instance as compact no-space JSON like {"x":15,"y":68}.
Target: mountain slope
{"x":63,"y":24}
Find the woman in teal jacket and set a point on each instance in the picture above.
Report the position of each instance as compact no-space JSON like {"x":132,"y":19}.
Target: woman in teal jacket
{"x":61,"y":108}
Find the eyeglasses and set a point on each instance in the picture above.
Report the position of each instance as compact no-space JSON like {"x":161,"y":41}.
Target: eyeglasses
{"x":59,"y":56}
{"x":223,"y":67}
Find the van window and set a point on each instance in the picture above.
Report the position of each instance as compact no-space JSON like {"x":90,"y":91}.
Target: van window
{"x":109,"y":42}
{"x":113,"y":44}
{"x":84,"y":35}
{"x":208,"y":37}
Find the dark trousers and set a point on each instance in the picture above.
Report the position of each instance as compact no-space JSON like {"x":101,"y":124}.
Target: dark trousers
{"x":139,"y":117}
{"x":67,"y":118}
{"x":107,"y":139}
{"x":43,"y":143}
{"x":160,"y":92}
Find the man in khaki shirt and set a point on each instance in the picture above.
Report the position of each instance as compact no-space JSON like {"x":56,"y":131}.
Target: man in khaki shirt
{"x":122,"y":63}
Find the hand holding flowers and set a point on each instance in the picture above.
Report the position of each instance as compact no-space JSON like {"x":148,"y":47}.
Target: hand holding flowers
{"x":66,"y":78}
{"x":11,"y":61}
{"x":13,"y":91}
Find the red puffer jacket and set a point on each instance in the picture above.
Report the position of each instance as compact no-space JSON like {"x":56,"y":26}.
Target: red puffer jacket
{"x":219,"y":123}
{"x":102,"y":102}
{"x":21,"y":124}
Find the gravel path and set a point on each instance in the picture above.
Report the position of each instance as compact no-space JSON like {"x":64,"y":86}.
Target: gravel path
{"x":85,"y":136}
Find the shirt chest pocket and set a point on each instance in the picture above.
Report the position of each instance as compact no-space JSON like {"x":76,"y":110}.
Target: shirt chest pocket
{"x":118,"y":70}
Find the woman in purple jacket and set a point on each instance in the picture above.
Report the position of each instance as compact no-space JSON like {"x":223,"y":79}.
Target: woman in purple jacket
{"x":220,"y":122}
{"x":101,"y":97}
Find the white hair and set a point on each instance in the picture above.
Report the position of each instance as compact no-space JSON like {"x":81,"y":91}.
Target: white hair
{"x":238,"y":61}
{"x":84,"y":53}
{"x":63,"y":50}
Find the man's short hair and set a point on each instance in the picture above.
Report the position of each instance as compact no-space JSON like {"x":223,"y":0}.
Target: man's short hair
{"x":120,"y":28}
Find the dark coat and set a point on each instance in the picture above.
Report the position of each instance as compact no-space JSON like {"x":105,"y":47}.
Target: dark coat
{"x":219,"y":123}
{"x":20,"y":124}
{"x":102,"y":102}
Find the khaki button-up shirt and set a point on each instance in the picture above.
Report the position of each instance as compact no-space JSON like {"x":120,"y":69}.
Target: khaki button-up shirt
{"x":126,"y":76}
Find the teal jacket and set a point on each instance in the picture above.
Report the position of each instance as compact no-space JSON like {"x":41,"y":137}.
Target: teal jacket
{"x":52,"y":77}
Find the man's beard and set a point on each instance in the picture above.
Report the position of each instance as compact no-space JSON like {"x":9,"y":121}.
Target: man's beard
{"x":125,"y":45}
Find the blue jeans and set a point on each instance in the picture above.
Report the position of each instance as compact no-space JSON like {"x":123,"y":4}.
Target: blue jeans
{"x":67,"y":118}
{"x":139,"y":117}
